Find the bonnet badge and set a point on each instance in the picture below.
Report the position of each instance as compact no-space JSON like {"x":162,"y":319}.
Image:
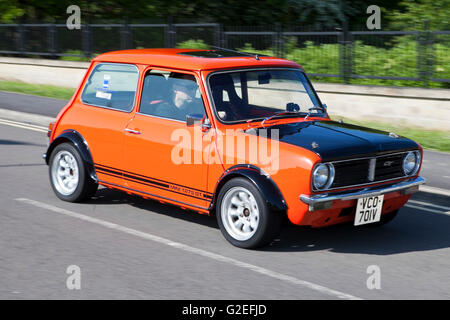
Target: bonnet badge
{"x":393,"y":135}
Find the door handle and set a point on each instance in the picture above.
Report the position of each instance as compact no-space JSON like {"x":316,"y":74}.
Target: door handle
{"x":132,"y":131}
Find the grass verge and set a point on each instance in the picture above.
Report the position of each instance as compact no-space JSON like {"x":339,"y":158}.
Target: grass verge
{"x":438,"y":140}
{"x":37,"y":89}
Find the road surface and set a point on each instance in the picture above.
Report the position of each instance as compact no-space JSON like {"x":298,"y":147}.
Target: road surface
{"x":126,"y":247}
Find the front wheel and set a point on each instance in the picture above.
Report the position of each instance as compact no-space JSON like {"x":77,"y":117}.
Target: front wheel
{"x":244,"y":218}
{"x":69,"y":177}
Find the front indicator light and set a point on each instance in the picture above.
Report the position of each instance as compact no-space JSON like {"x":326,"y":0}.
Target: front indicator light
{"x":49,"y":130}
{"x":321,"y":206}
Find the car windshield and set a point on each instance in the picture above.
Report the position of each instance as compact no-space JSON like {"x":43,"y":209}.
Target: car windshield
{"x":260,"y":94}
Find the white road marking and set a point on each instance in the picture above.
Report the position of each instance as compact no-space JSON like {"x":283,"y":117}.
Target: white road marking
{"x":200,"y":252}
{"x":23,"y":125}
{"x":426,"y":209}
{"x":33,"y":118}
{"x":429,"y":205}
{"x":435,"y":190}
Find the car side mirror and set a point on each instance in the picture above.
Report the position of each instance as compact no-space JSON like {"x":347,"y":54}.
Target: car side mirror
{"x":198,"y":119}
{"x":194,"y":119}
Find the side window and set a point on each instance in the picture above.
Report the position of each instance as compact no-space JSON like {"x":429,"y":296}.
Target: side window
{"x":171,"y":95}
{"x":112,"y":86}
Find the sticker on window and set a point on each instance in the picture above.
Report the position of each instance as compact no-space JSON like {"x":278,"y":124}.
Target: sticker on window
{"x":103,"y":95}
{"x":106,"y":80}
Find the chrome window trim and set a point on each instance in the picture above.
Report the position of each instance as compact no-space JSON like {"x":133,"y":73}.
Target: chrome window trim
{"x":105,"y":107}
{"x":371,"y":182}
{"x":158,"y":117}
{"x":243,"y":69}
{"x":165,"y":118}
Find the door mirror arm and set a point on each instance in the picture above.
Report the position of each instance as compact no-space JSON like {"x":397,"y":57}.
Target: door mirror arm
{"x":198,"y":119}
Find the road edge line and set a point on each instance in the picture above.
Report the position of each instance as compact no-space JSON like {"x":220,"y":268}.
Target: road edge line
{"x":187,"y":248}
{"x":435,"y":190}
{"x":25,"y":117}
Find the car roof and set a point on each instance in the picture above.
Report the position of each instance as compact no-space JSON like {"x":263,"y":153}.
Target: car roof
{"x":191,"y":59}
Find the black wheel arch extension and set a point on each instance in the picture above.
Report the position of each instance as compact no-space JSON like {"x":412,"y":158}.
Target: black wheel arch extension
{"x":80,"y":144}
{"x":265,"y":185}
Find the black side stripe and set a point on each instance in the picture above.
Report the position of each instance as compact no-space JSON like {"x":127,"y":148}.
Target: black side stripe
{"x":123,"y":172}
{"x":155,"y":184}
{"x":130,"y":176}
{"x":151,"y":185}
{"x":180,"y":203}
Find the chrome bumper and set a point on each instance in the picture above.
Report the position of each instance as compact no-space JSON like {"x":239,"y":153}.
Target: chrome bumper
{"x":314,"y":201}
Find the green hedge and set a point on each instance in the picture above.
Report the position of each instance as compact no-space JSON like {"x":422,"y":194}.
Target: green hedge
{"x":398,"y":59}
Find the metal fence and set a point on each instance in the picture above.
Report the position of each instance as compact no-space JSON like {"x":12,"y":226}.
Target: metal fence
{"x":386,"y":55}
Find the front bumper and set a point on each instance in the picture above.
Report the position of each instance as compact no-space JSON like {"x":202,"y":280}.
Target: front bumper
{"x":325,"y":200}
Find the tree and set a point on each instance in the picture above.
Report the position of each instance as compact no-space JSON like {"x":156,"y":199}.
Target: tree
{"x":322,"y":14}
{"x":416,"y":12}
{"x":9,"y":11}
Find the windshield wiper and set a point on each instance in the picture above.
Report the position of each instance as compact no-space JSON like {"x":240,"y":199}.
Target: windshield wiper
{"x":277,"y":114}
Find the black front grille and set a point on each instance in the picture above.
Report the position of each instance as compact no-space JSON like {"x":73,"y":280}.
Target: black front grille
{"x":350,"y":173}
{"x":356,"y":172}
{"x":389,"y":167}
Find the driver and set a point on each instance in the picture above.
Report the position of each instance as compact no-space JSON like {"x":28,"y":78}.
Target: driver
{"x":183,"y":102}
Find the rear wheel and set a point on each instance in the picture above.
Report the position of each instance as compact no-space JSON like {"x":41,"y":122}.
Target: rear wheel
{"x":244,"y":218}
{"x":69,"y":177}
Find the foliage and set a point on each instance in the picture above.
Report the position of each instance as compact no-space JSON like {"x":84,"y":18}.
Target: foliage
{"x":193,"y":44}
{"x":9,"y":10}
{"x":248,"y":48}
{"x":415,"y":12}
{"x":325,"y":14}
{"x":313,"y":14}
{"x":75,"y":55}
{"x":397,"y":58}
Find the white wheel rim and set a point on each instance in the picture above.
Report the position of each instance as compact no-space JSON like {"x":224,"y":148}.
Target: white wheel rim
{"x":65,"y":173}
{"x":240,"y":213}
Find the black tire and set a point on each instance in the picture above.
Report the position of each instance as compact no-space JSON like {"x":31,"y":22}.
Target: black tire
{"x":385,"y":219}
{"x":86,"y":186}
{"x":269,"y":222}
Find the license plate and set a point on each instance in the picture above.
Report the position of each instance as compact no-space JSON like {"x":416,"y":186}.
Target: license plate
{"x":368,"y":210}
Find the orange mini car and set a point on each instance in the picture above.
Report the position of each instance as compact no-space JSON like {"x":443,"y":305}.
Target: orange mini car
{"x":238,"y":135}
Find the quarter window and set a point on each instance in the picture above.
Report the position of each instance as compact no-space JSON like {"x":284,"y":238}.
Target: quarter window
{"x":112,"y":86}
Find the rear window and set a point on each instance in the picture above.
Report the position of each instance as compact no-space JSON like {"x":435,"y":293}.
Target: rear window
{"x":112,"y":86}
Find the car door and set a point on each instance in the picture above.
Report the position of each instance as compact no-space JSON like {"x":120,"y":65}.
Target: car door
{"x":104,"y":111}
{"x":163,"y":155}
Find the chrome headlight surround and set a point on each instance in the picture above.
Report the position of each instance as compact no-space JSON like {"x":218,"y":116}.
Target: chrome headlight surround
{"x":322,"y":176}
{"x":411,"y":163}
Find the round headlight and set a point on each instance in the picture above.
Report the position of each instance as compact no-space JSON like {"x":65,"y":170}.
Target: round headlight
{"x":323,"y":176}
{"x":411,"y":163}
